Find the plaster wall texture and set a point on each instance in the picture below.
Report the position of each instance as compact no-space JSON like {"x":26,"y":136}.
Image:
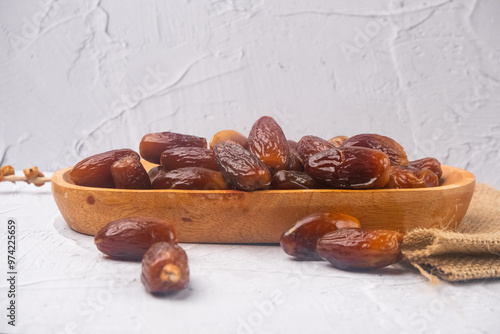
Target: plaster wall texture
{"x":81,"y":77}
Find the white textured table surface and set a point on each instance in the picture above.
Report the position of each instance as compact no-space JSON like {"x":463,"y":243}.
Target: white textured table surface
{"x":64,"y":285}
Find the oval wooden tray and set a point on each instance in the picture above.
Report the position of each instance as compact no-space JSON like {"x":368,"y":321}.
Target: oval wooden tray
{"x":227,"y":216}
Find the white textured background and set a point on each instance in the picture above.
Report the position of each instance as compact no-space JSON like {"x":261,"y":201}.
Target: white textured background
{"x":79,"y":77}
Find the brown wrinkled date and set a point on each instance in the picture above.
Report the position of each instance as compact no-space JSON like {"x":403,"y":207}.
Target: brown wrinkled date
{"x":407,"y":177}
{"x":337,"y":141}
{"x":130,"y":238}
{"x":431,"y":164}
{"x":129,"y":173}
{"x":165,"y":268}
{"x":241,"y":168}
{"x":310,"y":145}
{"x":153,"y":144}
{"x":290,"y":179}
{"x":389,"y":146}
{"x":294,"y":163}
{"x":180,"y":157}
{"x":268,"y":143}
{"x":228,"y":135}
{"x":155,"y":171}
{"x":300,"y":240}
{"x":350,"y":168}
{"x":95,"y":171}
{"x":360,"y":248}
{"x":31,"y":172}
{"x":190,"y":178}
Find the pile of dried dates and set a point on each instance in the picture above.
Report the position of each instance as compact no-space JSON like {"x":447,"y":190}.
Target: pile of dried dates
{"x":264,"y":160}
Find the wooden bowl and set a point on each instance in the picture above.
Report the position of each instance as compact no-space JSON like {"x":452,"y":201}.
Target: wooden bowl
{"x":230,"y":216}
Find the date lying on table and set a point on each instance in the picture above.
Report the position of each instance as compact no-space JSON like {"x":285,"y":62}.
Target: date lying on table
{"x":130,"y":238}
{"x":154,"y":241}
{"x":165,"y":268}
{"x":339,"y":239}
{"x":265,"y":160}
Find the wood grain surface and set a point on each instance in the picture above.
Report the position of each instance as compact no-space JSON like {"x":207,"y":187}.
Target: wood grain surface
{"x":227,"y":216}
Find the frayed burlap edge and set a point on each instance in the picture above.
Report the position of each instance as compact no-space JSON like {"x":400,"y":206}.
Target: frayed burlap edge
{"x":473,"y":252}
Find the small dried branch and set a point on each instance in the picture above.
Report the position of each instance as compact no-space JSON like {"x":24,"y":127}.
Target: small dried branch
{"x":31,"y":175}
{"x":16,"y":178}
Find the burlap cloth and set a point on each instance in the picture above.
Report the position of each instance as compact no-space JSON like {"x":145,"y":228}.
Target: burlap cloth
{"x":471,"y":252}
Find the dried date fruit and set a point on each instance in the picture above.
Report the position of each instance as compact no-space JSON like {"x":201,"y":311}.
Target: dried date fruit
{"x":337,"y":140}
{"x":155,"y":171}
{"x":350,"y":168}
{"x":129,"y":173}
{"x":191,"y":178}
{"x":294,"y":163}
{"x":408,"y":177}
{"x":292,"y":144}
{"x":229,"y":135}
{"x":289,"y":179}
{"x":8,"y":170}
{"x":130,"y":238}
{"x":165,"y":268}
{"x":389,"y":146}
{"x":153,"y":144}
{"x":431,"y":164}
{"x":241,"y":168}
{"x":95,"y":171}
{"x":268,"y":142}
{"x":310,"y":145}
{"x":300,"y":240}
{"x":180,"y":157}
{"x":31,"y":172}
{"x":360,"y":248}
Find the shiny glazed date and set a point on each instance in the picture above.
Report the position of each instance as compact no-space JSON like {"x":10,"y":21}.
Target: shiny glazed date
{"x":310,"y":145}
{"x":190,"y":178}
{"x":337,"y":141}
{"x":152,"y":145}
{"x":290,"y":179}
{"x":241,"y":168}
{"x":300,"y":240}
{"x":360,"y":248}
{"x":229,"y":135}
{"x":165,"y":268}
{"x":129,"y":173}
{"x":95,"y":171}
{"x":268,"y":143}
{"x":130,"y":238}
{"x":155,"y":171}
{"x":350,"y":168}
{"x":407,"y":177}
{"x":389,"y":146}
{"x":180,"y":157}
{"x":294,"y":163}
{"x":431,"y":164}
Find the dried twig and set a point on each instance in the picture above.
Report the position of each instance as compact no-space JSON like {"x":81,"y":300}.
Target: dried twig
{"x":16,"y":178}
{"x":31,"y":175}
